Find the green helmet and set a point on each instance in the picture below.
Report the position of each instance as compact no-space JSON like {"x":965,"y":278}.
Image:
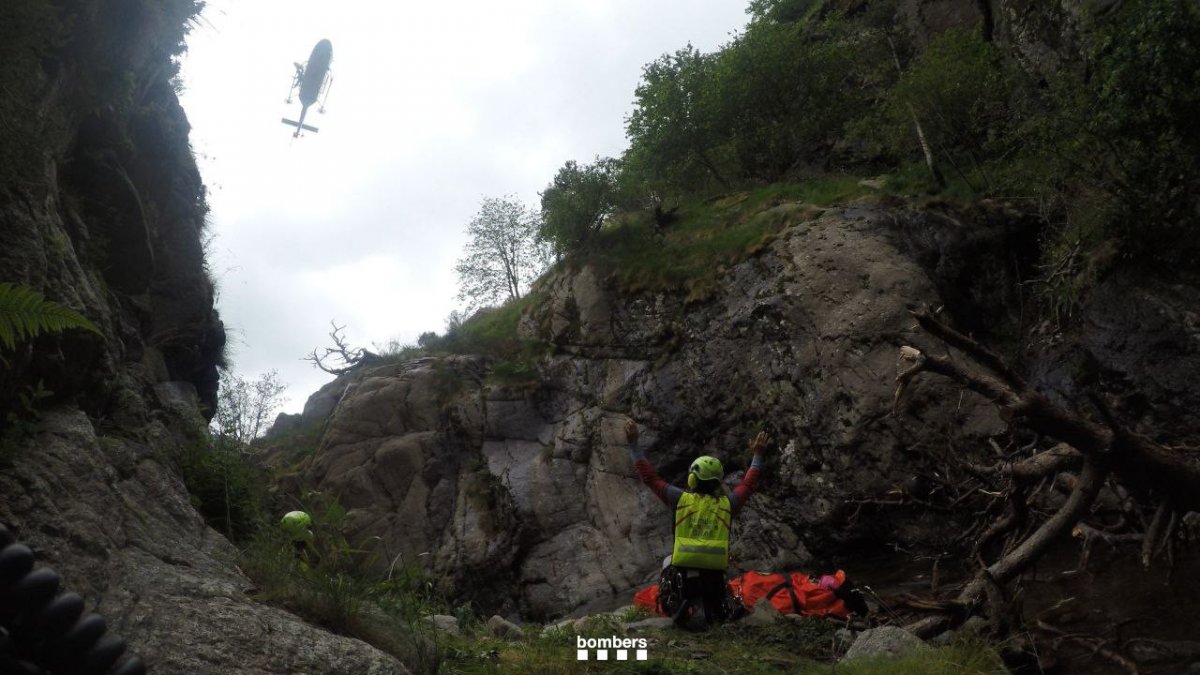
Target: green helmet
{"x":707,"y":468}
{"x":296,"y":523}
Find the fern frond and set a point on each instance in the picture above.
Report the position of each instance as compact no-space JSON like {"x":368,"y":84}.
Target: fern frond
{"x":25,"y":313}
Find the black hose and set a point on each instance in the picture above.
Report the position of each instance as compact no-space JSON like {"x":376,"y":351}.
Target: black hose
{"x":44,"y":632}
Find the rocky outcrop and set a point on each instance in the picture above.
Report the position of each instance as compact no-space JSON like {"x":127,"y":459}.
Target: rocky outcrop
{"x":109,"y":222}
{"x":109,"y":513}
{"x":524,"y":493}
{"x":1138,"y":341}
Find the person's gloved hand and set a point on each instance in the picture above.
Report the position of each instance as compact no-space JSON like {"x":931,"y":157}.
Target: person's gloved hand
{"x":631,"y":431}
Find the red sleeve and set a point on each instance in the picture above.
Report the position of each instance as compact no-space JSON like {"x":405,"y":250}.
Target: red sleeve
{"x":651,"y":479}
{"x":742,"y":492}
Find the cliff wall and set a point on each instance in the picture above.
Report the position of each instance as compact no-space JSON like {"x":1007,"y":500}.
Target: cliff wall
{"x":104,"y":212}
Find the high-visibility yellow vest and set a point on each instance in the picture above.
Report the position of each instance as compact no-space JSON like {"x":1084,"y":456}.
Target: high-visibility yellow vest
{"x":702,"y":532}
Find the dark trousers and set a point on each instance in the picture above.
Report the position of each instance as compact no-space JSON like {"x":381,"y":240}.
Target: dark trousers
{"x":694,"y":598}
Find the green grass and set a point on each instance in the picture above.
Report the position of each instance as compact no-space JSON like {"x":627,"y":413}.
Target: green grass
{"x":493,"y":332}
{"x":708,"y":235}
{"x":340,"y":589}
{"x":955,"y":659}
{"x":294,"y":445}
{"x":803,"y":646}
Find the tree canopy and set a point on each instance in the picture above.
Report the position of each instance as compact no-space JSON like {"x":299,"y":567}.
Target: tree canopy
{"x":576,"y":203}
{"x":504,"y":254}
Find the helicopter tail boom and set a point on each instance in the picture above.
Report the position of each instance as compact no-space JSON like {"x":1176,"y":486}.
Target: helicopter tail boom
{"x":298,"y":125}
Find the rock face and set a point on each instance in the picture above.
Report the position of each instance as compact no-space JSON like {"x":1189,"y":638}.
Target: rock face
{"x":524,"y":494}
{"x":109,"y":223}
{"x":1139,"y":342}
{"x":110,"y":515}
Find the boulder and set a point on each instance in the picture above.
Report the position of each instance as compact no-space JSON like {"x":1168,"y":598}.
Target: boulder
{"x":888,"y":641}
{"x":498,"y":626}
{"x":653,"y":623}
{"x":443,"y":623}
{"x":763,"y":614}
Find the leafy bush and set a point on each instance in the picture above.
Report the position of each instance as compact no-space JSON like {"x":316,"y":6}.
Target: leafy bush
{"x":804,"y":91}
{"x":969,"y":100}
{"x":576,"y":203}
{"x":708,"y":236}
{"x":341,"y":588}
{"x":224,"y":486}
{"x":672,"y":131}
{"x":1130,"y":127}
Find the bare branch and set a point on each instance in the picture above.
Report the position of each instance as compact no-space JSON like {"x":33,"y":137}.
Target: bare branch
{"x":340,"y":351}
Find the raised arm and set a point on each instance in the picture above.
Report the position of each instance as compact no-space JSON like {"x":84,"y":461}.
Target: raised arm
{"x":669,"y":494}
{"x":750,"y":481}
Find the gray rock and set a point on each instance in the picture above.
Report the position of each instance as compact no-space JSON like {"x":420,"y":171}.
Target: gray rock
{"x":843,"y":638}
{"x":114,"y":520}
{"x":655,"y":623}
{"x":884,"y":641}
{"x":444,"y":623}
{"x":568,"y":624}
{"x":498,"y":626}
{"x":763,"y":614}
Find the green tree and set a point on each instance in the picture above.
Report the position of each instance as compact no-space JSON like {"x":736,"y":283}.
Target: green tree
{"x":671,"y":131}
{"x":1135,"y":121}
{"x":967,"y":102}
{"x":804,"y":90}
{"x":782,"y":11}
{"x":245,"y":407}
{"x":576,"y":203}
{"x":504,"y":254}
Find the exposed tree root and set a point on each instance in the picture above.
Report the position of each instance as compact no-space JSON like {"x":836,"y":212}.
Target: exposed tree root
{"x":1089,"y":455}
{"x":1096,"y":645}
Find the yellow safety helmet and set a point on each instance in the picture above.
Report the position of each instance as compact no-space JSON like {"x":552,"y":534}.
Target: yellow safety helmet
{"x":705,"y":468}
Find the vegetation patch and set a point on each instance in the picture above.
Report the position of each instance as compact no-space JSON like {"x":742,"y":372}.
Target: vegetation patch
{"x":293,"y":446}
{"x":338,"y":587}
{"x":708,"y":235}
{"x":225,"y":487}
{"x":792,"y":646}
{"x":486,"y":494}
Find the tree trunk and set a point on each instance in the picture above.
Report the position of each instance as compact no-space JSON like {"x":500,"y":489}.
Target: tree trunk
{"x":925,"y":149}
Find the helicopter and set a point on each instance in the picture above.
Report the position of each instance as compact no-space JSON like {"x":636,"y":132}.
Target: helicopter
{"x":313,"y":79}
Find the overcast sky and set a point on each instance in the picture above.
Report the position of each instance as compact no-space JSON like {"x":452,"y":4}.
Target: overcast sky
{"x":433,"y":107}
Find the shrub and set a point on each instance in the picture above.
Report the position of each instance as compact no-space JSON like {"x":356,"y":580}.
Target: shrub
{"x":341,"y":588}
{"x":224,"y":486}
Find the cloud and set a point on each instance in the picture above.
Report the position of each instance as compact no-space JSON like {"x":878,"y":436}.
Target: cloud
{"x":433,"y":107}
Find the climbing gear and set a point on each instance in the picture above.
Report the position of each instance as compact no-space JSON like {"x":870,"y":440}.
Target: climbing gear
{"x":296,"y":524}
{"x":670,"y":591}
{"x":42,"y":630}
{"x":702,"y":531}
{"x":682,"y":594}
{"x":705,"y":468}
